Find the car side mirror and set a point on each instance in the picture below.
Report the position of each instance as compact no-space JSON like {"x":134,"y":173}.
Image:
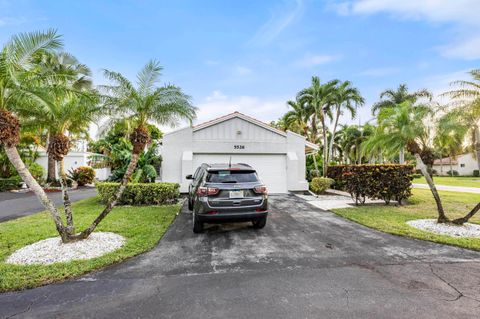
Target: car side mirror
{"x":189,"y":176}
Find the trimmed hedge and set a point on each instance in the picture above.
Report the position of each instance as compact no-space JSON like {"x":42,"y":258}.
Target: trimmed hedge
{"x":319,"y":185}
{"x":386,"y":181}
{"x":10,"y":183}
{"x":140,"y":193}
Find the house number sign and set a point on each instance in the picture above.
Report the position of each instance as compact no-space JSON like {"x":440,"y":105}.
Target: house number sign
{"x":238,"y":147}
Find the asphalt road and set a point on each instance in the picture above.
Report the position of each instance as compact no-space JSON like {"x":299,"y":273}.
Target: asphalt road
{"x":14,"y":205}
{"x":306,"y":263}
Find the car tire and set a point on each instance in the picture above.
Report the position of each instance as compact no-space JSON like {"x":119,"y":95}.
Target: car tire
{"x":190,"y":204}
{"x":259,"y":223}
{"x":197,"y":225}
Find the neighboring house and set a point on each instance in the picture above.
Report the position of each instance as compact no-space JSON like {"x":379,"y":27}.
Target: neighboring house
{"x":464,"y":164}
{"x":77,"y":157}
{"x":278,"y":157}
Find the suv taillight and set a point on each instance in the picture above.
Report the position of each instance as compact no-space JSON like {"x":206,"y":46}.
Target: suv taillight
{"x":207,"y":191}
{"x":262,"y":189}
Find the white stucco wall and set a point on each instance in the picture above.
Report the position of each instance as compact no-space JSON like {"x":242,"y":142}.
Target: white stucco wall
{"x":179,"y":149}
{"x":465,"y":166}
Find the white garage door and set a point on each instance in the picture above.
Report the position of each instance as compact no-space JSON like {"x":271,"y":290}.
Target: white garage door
{"x":271,"y":169}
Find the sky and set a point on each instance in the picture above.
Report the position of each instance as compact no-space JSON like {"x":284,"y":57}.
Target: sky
{"x":252,"y":56}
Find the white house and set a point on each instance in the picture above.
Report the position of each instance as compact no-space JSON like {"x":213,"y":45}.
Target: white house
{"x":278,"y":157}
{"x":77,"y":157}
{"x":464,"y":164}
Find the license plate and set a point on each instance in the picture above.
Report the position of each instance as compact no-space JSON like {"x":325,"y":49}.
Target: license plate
{"x":236,"y":194}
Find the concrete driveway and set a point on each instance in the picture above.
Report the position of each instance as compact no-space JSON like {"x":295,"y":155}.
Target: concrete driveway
{"x":14,"y":205}
{"x":306,"y":263}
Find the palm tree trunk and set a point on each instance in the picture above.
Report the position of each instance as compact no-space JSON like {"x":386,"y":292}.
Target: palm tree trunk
{"x":451,"y":166}
{"x":442,"y":218}
{"x":464,"y":219}
{"x":441,"y":166}
{"x":325,"y":144}
{"x":315,"y":162}
{"x":24,"y":173}
{"x":51,"y":175}
{"x":477,"y":144}
{"x":332,"y":139}
{"x":401,"y":156}
{"x":131,"y":167}
{"x":66,"y":199}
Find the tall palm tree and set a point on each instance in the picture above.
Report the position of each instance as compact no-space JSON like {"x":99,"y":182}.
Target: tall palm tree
{"x":142,"y":103}
{"x":321,"y":98}
{"x":391,"y":98}
{"x":346,"y":98}
{"x":297,"y":119}
{"x":466,"y":107}
{"x":20,"y":83}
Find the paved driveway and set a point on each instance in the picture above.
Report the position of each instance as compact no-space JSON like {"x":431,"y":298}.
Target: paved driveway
{"x":306,"y":263}
{"x":14,"y":205}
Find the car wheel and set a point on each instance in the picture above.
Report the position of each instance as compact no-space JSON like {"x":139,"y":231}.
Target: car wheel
{"x":259,"y":223}
{"x":197,"y":225}
{"x":190,"y":204}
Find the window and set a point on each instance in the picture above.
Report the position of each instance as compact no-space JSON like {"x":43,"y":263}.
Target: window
{"x":462,"y":165}
{"x":232,"y":177}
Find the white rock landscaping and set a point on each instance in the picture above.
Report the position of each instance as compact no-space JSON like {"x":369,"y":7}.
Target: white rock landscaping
{"x":431,"y":225}
{"x":52,"y":250}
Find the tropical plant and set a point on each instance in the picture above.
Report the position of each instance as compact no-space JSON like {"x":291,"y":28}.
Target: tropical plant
{"x":449,"y":137}
{"x":20,"y":84}
{"x":143,"y":103}
{"x":83,"y":175}
{"x":465,"y":109}
{"x":392,"y":98}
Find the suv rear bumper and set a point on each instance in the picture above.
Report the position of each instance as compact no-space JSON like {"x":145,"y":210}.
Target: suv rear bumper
{"x":222,"y":217}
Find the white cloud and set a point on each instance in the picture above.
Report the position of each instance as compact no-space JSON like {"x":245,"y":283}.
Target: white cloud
{"x":378,"y":72}
{"x":241,"y":70}
{"x":462,"y":14}
{"x":6,"y":21}
{"x":280,"y":19}
{"x":218,"y":104}
{"x":314,"y":60}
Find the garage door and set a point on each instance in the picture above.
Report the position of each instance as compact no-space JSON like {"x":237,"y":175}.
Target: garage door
{"x":271,"y":169}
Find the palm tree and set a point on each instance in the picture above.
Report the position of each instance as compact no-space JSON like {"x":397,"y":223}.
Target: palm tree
{"x":466,"y":107}
{"x":143,"y":103}
{"x":391,"y":98}
{"x":450,"y":136}
{"x":297,"y":118}
{"x":346,"y":98}
{"x":321,"y":98}
{"x":18,"y":87}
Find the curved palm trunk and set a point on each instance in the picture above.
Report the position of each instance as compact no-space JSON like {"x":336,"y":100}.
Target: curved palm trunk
{"x":330,"y":147}
{"x":131,"y":167}
{"x":66,"y":199}
{"x":24,"y":173}
{"x":442,"y":218}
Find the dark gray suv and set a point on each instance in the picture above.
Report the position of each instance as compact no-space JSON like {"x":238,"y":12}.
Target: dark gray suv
{"x":227,"y":193}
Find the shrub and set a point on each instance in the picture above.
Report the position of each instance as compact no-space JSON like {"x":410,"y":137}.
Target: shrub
{"x":37,"y":172}
{"x":7,"y":184}
{"x":476,"y":173}
{"x":83,"y":175}
{"x":452,"y":173}
{"x":140,"y":193}
{"x":386,"y":182}
{"x":319,"y":185}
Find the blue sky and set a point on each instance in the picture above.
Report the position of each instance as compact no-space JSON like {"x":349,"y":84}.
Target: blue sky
{"x":252,"y":56}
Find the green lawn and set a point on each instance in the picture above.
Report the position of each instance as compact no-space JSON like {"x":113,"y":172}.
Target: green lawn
{"x":141,"y":226}
{"x":466,"y":181}
{"x":392,"y":219}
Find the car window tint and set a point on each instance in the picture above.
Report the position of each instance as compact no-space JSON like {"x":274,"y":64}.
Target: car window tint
{"x":231,"y":177}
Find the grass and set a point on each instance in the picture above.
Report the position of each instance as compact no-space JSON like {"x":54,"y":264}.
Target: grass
{"x":466,"y":181}
{"x":392,"y":219}
{"x":141,"y":226}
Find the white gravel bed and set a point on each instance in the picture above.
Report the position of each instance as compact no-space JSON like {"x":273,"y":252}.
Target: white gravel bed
{"x":52,"y":250}
{"x":431,"y":225}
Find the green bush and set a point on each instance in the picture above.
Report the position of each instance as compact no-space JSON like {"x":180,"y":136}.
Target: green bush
{"x":37,"y":172}
{"x":476,"y":173}
{"x":10,"y":183}
{"x":452,"y":173}
{"x":82,"y":175}
{"x":386,"y":182}
{"x":416,"y":175}
{"x":319,"y":185}
{"x":140,"y":193}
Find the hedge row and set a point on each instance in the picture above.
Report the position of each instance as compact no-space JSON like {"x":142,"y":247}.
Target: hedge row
{"x":140,"y":193}
{"x":387,"y":181}
{"x":10,"y":183}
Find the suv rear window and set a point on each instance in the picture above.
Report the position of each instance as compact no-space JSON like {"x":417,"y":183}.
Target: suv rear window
{"x":232,"y":176}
